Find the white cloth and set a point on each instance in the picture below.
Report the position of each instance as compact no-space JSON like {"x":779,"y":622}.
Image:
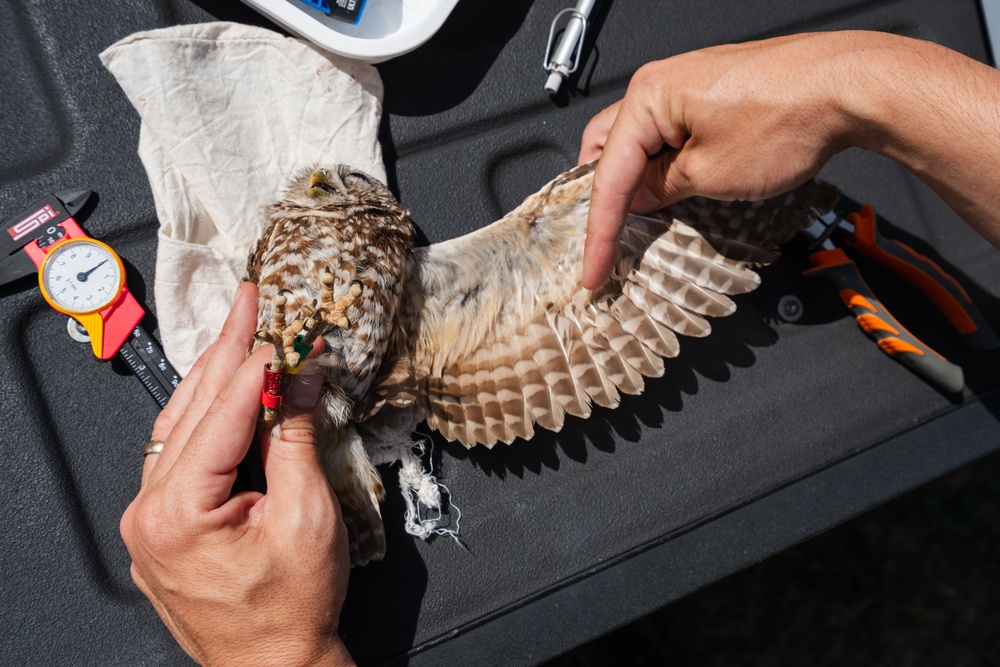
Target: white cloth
{"x":229,"y":112}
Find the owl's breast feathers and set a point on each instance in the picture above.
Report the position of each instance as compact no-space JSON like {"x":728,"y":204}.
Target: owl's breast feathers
{"x":339,"y":262}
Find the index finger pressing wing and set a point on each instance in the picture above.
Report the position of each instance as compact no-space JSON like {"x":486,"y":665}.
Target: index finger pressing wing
{"x":498,"y":334}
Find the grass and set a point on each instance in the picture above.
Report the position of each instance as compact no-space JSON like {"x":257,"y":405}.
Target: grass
{"x":914,"y":582}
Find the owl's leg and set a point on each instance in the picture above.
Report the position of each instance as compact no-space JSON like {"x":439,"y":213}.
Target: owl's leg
{"x":272,"y":334}
{"x":291,"y":343}
{"x":333,"y":312}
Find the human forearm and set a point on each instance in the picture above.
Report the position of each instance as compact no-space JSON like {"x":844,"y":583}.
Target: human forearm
{"x":299,"y":653}
{"x":749,"y":121}
{"x":936,"y":112}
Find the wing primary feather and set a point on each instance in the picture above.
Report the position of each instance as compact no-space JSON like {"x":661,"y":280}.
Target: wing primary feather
{"x":587,"y":370}
{"x":553,"y":362}
{"x":487,"y":394}
{"x":651,"y":333}
{"x":667,"y":313}
{"x":475,"y":422}
{"x":682,"y":253}
{"x":688,"y":295}
{"x":454,"y":410}
{"x":510,"y":392}
{"x":538,"y":404}
{"x":616,"y":373}
{"x":629,"y":351}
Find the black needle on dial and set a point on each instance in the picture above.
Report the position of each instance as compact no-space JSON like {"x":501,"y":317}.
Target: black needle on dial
{"x":82,"y":276}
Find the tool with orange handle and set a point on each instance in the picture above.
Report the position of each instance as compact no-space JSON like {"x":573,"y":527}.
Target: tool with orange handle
{"x":946,"y":293}
{"x":859,"y":231}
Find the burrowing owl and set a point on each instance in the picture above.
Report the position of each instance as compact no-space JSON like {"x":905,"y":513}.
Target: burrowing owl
{"x":490,"y":333}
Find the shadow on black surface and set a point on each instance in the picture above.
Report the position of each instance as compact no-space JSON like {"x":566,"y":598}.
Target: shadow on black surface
{"x":390,"y":591}
{"x":903,"y":583}
{"x":70,"y":496}
{"x":729,"y":346}
{"x":449,"y":69}
{"x":454,"y":61}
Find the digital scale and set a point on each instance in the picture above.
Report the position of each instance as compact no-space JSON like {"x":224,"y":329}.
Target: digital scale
{"x":85,"y":278}
{"x":384,"y":30}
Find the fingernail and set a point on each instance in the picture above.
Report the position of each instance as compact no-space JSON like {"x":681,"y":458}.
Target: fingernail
{"x":305,"y":389}
{"x":645,"y":201}
{"x":239,"y":291}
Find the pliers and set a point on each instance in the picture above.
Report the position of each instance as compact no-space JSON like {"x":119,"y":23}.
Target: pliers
{"x":859,"y":231}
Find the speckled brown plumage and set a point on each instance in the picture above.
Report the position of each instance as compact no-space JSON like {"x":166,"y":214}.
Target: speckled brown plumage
{"x":491,"y":333}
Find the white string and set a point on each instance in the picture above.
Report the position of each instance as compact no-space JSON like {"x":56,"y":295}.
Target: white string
{"x":398,"y":443}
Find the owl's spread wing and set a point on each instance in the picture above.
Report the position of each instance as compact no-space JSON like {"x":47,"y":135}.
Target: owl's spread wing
{"x":498,"y":334}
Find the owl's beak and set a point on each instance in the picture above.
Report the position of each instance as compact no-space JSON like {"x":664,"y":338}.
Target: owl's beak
{"x":318,"y":184}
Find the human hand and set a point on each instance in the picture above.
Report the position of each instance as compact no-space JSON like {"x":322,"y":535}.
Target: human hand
{"x":735,"y":122}
{"x":252,"y":579}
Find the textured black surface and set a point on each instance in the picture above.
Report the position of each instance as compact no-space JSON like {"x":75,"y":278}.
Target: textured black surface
{"x":757,"y":437}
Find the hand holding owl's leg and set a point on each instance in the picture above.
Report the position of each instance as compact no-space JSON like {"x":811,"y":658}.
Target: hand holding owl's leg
{"x":233,"y":578}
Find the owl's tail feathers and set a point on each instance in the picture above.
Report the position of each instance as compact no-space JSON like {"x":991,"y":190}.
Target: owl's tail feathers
{"x":365,"y":534}
{"x":354,"y":479}
{"x":359,"y":489}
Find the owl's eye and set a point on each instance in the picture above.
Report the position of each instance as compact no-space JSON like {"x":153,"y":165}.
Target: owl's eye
{"x":364,"y":178}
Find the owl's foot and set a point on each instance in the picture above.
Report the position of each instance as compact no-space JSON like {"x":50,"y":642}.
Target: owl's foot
{"x":274,"y":334}
{"x":334,"y":312}
{"x":305,"y":334}
{"x":278,"y":314}
{"x":298,"y":337}
{"x":302,"y":321}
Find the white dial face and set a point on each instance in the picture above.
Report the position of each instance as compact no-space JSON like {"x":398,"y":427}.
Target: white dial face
{"x":82,"y":276}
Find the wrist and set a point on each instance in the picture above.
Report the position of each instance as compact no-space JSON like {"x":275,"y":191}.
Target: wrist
{"x":336,"y":655}
{"x":329,"y":653}
{"x":871,"y":98}
{"x":332,"y":653}
{"x":856,"y":73}
{"x":891,"y":86}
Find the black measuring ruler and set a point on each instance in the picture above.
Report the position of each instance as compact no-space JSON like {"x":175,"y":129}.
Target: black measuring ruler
{"x":146,"y":359}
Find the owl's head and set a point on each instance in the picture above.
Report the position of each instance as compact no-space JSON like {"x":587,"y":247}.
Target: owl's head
{"x":334,"y":187}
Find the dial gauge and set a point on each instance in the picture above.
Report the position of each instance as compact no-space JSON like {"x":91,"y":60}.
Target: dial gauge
{"x":80,"y":276}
